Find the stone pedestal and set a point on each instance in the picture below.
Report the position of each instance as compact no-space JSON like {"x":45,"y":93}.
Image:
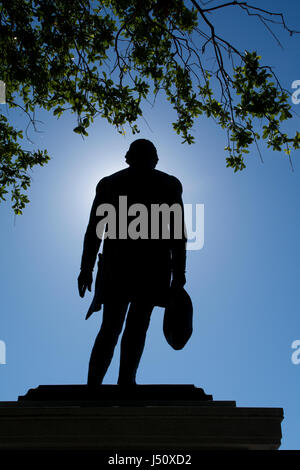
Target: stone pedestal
{"x":144,"y":417}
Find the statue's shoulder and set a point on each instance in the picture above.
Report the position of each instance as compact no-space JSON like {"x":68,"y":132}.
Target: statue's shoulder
{"x":170,"y":180}
{"x":114,"y":178}
{"x":158,"y":178}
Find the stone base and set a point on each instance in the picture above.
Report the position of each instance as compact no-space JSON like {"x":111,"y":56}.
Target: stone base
{"x":177,"y":418}
{"x":120,"y":395}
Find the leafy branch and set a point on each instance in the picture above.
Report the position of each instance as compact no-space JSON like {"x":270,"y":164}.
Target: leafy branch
{"x":106,"y":57}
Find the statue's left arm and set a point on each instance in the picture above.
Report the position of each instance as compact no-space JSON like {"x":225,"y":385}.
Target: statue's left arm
{"x":178,"y":245}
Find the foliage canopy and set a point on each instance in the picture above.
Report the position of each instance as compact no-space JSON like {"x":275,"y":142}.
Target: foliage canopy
{"x":104,"y":57}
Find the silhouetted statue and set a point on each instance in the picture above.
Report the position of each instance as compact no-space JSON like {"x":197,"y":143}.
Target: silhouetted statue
{"x":135,"y":270}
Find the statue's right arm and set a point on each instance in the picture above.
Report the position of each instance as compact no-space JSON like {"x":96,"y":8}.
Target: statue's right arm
{"x":91,"y":244}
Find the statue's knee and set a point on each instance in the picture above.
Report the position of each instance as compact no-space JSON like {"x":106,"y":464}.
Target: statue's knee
{"x":110,"y":331}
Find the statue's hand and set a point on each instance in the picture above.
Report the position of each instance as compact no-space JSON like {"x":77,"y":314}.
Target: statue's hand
{"x":178,"y":281}
{"x":85,"y":280}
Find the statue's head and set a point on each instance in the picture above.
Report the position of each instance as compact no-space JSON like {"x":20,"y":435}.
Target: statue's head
{"x":142,"y":154}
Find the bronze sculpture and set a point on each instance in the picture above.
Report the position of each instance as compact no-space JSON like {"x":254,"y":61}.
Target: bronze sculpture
{"x":135,"y":271}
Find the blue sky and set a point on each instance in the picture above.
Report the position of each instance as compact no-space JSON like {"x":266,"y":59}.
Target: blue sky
{"x":243,"y":283}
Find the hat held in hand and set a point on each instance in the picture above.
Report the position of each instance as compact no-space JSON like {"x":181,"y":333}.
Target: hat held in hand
{"x":178,"y":318}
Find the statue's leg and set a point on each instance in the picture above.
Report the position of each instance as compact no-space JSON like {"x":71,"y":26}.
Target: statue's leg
{"x":133,"y":340}
{"x":113,"y":318}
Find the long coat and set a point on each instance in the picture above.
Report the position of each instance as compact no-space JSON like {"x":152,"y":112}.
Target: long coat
{"x":131,"y":268}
